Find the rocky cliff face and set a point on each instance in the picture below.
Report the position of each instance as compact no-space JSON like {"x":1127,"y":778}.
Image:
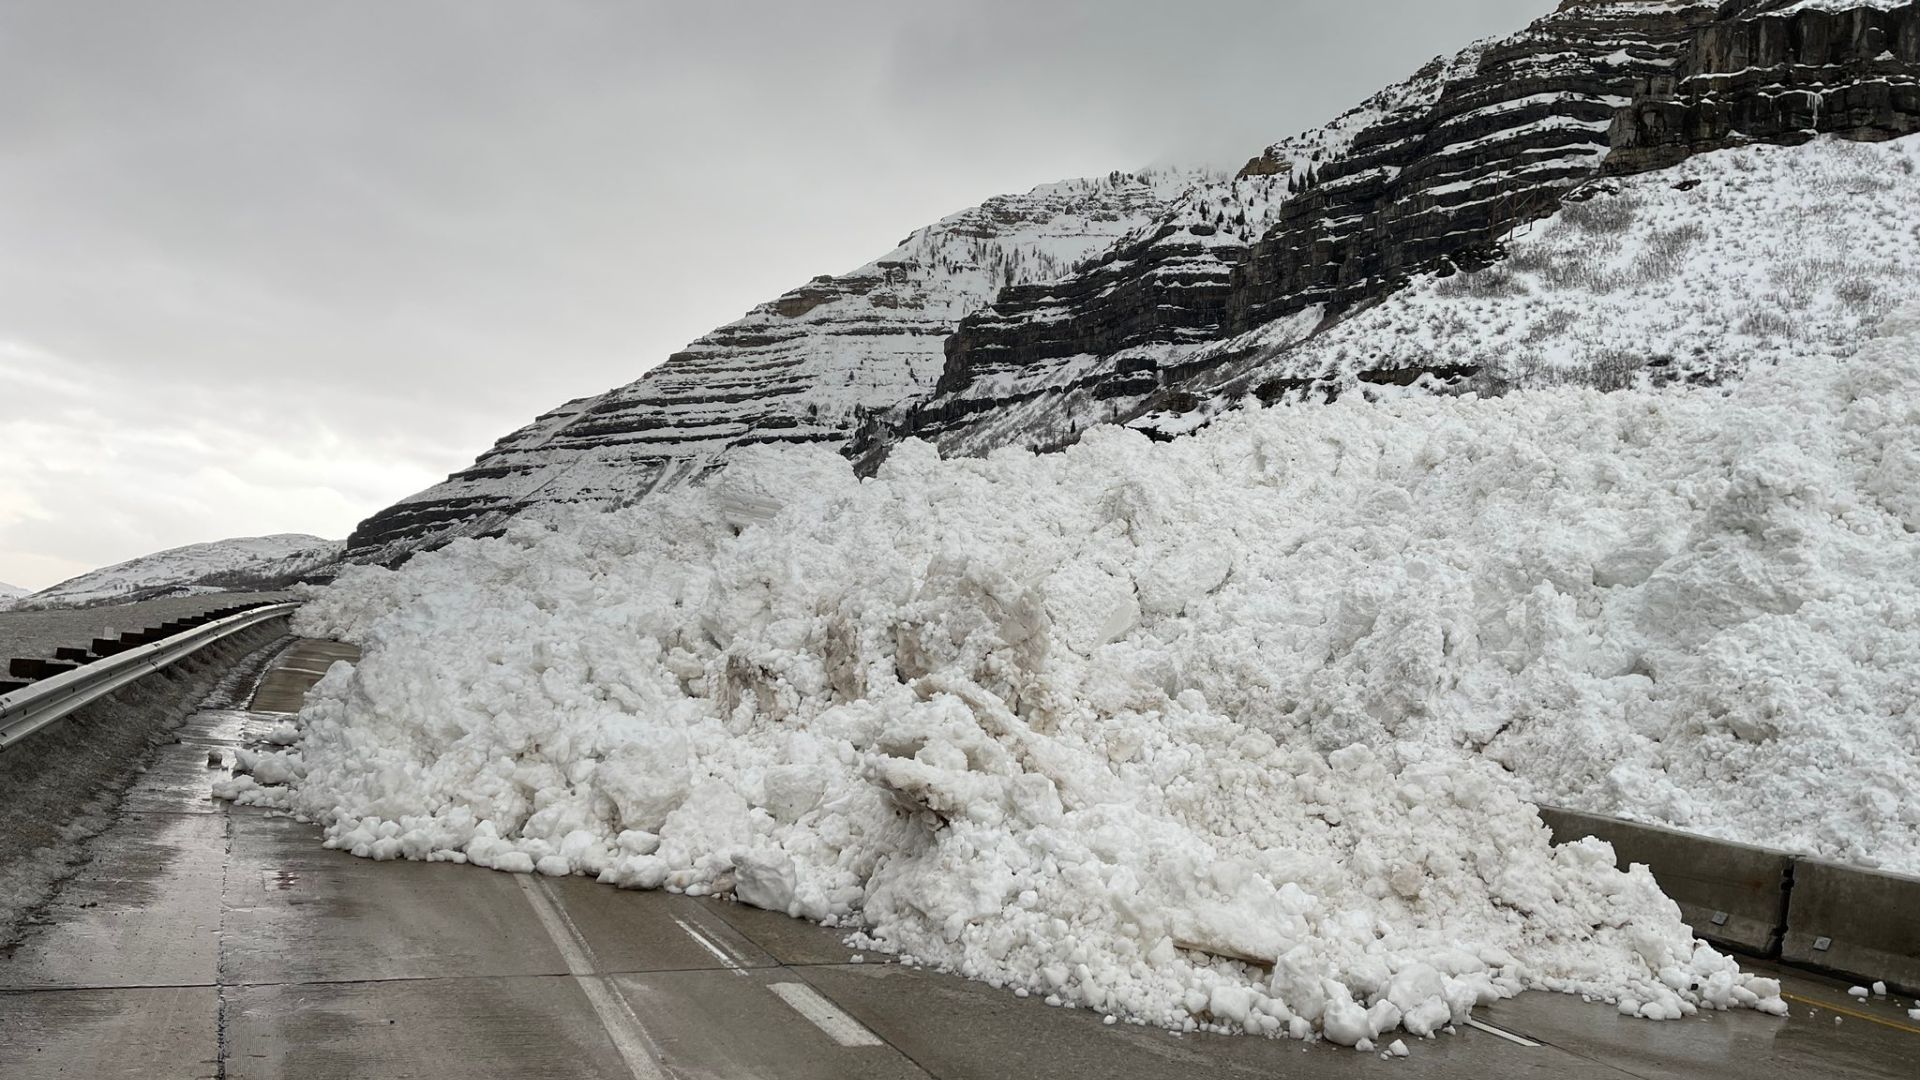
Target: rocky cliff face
{"x":1048,"y":358}
{"x":1435,"y":170}
{"x":1778,"y":71}
{"x":801,"y":368}
{"x":1434,"y":176}
{"x":1029,"y":318}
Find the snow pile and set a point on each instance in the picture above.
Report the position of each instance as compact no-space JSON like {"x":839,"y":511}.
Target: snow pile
{"x":1236,"y":730}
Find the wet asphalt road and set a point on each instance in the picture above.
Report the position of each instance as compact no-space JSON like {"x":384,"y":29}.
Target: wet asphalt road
{"x":203,"y":940}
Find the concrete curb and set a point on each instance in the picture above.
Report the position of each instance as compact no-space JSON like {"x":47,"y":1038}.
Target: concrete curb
{"x":1844,"y":920}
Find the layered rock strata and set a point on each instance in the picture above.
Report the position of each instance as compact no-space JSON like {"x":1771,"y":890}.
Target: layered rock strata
{"x":1030,"y":318}
{"x":1435,"y":178}
{"x":800,"y":368}
{"x":1778,"y":71}
{"x":1435,"y":171}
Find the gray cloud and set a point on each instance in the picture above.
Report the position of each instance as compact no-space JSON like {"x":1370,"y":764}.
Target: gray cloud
{"x":266,"y":266}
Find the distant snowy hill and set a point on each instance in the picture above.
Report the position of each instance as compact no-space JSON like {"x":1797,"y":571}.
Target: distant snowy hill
{"x":10,"y":593}
{"x":246,"y":562}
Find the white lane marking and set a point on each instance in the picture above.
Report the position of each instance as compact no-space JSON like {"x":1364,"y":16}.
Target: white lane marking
{"x":720,"y":954}
{"x":616,"y":1016}
{"x":1507,"y":1035}
{"x":589,"y":961}
{"x":825,"y":1015}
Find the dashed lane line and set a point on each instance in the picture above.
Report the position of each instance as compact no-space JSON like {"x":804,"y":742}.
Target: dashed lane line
{"x":720,"y":954}
{"x":825,"y":1015}
{"x":1507,"y":1035}
{"x":616,"y":1016}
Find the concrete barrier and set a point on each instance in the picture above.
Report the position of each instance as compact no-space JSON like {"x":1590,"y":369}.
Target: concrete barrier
{"x":1864,"y":924}
{"x":1733,"y":895}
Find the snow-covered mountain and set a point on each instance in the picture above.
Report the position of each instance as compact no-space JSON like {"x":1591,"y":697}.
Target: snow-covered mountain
{"x":1732,"y":260}
{"x":10,"y":593}
{"x":1430,"y":176}
{"x":1160,"y":299}
{"x":240,"y":563}
{"x":801,"y":368}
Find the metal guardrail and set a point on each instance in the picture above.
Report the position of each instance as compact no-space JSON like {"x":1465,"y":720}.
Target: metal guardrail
{"x":33,"y":707}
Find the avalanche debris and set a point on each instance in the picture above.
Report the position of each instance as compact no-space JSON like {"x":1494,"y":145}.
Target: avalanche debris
{"x":1235,"y":732}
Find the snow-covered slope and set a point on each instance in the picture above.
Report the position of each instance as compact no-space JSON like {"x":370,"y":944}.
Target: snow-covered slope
{"x":1423,"y":172}
{"x":1237,"y":729}
{"x":10,"y":593}
{"x":799,"y":369}
{"x":1029,"y":319}
{"x":1433,"y":175}
{"x":242,"y":562}
{"x":1742,"y":257}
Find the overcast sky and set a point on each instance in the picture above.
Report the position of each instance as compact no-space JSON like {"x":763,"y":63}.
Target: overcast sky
{"x":266,"y":267}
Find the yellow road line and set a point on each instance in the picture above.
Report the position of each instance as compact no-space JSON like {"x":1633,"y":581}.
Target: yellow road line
{"x":1868,"y":1017}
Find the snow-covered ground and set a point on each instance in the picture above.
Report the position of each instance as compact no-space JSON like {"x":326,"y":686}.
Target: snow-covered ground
{"x":1839,"y":5}
{"x":1238,"y":729}
{"x":1737,"y":258}
{"x":222,"y":564}
{"x":10,"y":593}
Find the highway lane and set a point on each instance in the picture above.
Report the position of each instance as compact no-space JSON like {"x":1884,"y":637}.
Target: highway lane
{"x":294,"y":672}
{"x":208,"y":941}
